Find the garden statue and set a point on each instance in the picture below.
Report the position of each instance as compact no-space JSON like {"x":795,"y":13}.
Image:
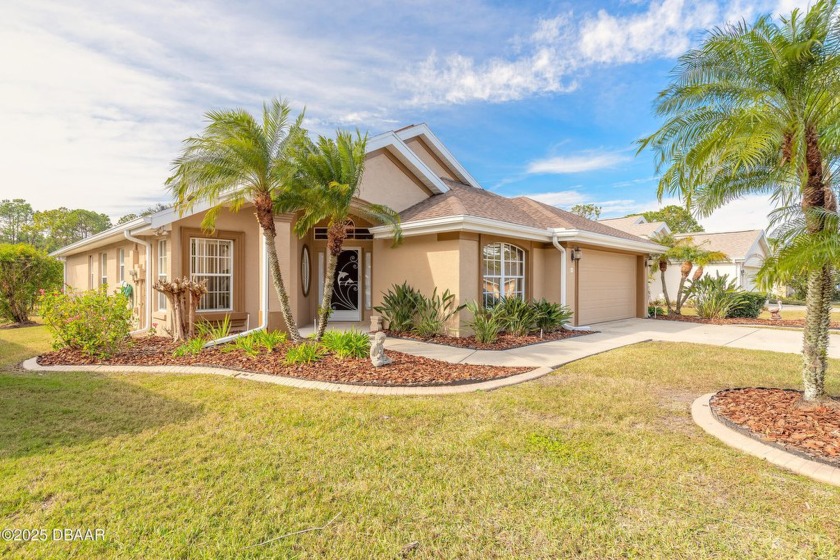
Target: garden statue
{"x":377,"y":351}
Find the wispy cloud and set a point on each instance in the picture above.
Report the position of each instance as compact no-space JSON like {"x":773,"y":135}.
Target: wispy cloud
{"x":561,"y":199}
{"x":577,"y":163}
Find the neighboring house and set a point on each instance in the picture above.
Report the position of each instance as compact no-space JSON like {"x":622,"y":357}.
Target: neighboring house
{"x":457,"y":236}
{"x":745,"y":251}
{"x":637,"y":225}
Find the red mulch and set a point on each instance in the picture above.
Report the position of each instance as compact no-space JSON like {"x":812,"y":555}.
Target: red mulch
{"x":405,"y":370}
{"x":773,"y":415}
{"x":793,"y":323}
{"x":503,"y":342}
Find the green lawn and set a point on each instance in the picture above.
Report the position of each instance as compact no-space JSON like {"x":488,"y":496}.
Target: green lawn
{"x":598,"y":460}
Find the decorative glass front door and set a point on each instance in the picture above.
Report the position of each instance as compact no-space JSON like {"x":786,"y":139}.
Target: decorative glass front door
{"x":345,"y":297}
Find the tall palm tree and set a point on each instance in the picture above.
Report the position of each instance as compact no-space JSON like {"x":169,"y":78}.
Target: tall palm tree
{"x":330,"y":175}
{"x":750,"y":108}
{"x":239,"y":159}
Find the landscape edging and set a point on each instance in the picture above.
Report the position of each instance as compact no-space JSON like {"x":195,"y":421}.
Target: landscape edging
{"x":701,"y":413}
{"x":32,"y":365}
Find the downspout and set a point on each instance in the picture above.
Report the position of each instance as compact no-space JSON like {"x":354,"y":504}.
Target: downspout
{"x":64,"y":271}
{"x":263,"y":305}
{"x":556,"y":242}
{"x":148,"y":247}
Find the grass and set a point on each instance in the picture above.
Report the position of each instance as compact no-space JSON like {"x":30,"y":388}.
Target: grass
{"x":598,"y":460}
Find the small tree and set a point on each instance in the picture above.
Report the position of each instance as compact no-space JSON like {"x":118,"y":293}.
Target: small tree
{"x":24,"y":270}
{"x":589,"y":211}
{"x":690,"y":254}
{"x":678,"y":219}
{"x":183,"y":296}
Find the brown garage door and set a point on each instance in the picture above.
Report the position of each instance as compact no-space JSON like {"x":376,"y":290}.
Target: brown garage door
{"x":606,"y":287}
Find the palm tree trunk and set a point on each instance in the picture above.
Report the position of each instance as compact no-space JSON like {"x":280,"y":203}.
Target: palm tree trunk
{"x":326,"y":300}
{"x":280,"y":288}
{"x":815,"y":345}
{"x":265,"y":217}
{"x":680,"y":291}
{"x":665,"y":288}
{"x":336,"y":234}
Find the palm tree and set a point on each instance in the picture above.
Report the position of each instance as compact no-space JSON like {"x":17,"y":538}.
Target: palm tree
{"x":751,"y":108}
{"x":239,"y":159}
{"x":689,"y":254}
{"x":669,"y":241}
{"x":330,"y":176}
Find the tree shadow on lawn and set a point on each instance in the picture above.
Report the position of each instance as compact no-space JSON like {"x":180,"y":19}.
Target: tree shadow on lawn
{"x":40,"y":413}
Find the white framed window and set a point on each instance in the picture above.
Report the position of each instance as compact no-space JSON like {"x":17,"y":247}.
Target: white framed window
{"x":162,"y":267}
{"x":368,"y":284}
{"x":504,"y":272}
{"x":103,"y":269}
{"x":121,"y":261}
{"x":212,"y":260}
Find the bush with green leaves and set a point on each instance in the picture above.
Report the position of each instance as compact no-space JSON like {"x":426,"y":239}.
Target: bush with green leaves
{"x":257,"y":342}
{"x":25,"y":272}
{"x":751,"y":306}
{"x":655,"y":311}
{"x":433,"y":313}
{"x":399,"y":306}
{"x":519,"y":316}
{"x":94,"y":322}
{"x":715,"y":298}
{"x":486,"y":322}
{"x":305,"y":353}
{"x":347,"y":344}
{"x":551,"y":316}
{"x":191,"y":347}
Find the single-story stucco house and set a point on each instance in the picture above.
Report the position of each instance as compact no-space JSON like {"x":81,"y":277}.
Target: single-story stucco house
{"x":457,"y":236}
{"x":745,"y":252}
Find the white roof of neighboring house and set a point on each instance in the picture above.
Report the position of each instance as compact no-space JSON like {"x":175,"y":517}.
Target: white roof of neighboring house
{"x":637,"y":225}
{"x":737,"y":245}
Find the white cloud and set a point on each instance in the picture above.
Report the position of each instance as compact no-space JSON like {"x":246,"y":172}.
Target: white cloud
{"x":561,"y":198}
{"x":577,"y":163}
{"x":745,"y":213}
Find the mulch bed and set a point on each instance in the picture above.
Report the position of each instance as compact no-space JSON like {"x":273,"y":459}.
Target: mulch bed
{"x":406,"y":370}
{"x":504,"y":342}
{"x":792,"y":323}
{"x":773,"y":416}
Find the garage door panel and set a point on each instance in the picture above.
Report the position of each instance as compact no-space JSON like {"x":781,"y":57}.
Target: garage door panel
{"x":607,"y":287}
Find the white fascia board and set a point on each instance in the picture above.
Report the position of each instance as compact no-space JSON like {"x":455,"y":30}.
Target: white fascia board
{"x":464,"y":223}
{"x":608,"y":241}
{"x":392,"y":143}
{"x":102,"y":238}
{"x":440,"y":150}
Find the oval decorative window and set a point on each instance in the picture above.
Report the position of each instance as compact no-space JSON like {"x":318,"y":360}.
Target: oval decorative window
{"x":305,"y":269}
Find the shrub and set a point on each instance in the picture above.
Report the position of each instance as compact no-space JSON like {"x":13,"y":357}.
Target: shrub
{"x":551,"y":316}
{"x":191,"y":347}
{"x":208,"y":331}
{"x":347,"y":344}
{"x":715,"y":298}
{"x":433,"y":313}
{"x":305,"y":353}
{"x":486,"y":322}
{"x":256,"y":342}
{"x":399,"y":306}
{"x":751,"y":307}
{"x":519,"y":317}
{"x":655,"y":311}
{"x":24,"y":271}
{"x":92,"y":322}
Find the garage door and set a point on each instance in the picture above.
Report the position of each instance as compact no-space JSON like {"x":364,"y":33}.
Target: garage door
{"x":607,"y":287}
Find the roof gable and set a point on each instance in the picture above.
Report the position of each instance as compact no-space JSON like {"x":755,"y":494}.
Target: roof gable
{"x":422,"y":131}
{"x":737,"y":245}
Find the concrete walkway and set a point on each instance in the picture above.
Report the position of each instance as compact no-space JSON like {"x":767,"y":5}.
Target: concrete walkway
{"x":612,"y":335}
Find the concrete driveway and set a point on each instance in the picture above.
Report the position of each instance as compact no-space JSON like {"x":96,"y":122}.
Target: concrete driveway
{"x":616,"y":334}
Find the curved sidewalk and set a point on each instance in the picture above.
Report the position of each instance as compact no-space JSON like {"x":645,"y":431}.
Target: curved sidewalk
{"x":32,"y":365}
{"x":701,"y":412}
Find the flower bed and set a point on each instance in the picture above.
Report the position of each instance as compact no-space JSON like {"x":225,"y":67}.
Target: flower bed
{"x":775,"y":417}
{"x":503,"y":342}
{"x":406,"y":370}
{"x":790,"y":323}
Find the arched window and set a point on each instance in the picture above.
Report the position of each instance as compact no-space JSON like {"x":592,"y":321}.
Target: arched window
{"x":504,"y":272}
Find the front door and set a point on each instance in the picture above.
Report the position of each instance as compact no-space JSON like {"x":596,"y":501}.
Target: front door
{"x":345,"y":298}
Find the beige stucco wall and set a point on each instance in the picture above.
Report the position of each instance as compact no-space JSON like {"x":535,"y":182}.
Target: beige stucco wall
{"x":422,"y":150}
{"x":386,"y":181}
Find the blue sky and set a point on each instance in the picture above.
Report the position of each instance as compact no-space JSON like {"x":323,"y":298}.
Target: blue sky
{"x":543,"y":99}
